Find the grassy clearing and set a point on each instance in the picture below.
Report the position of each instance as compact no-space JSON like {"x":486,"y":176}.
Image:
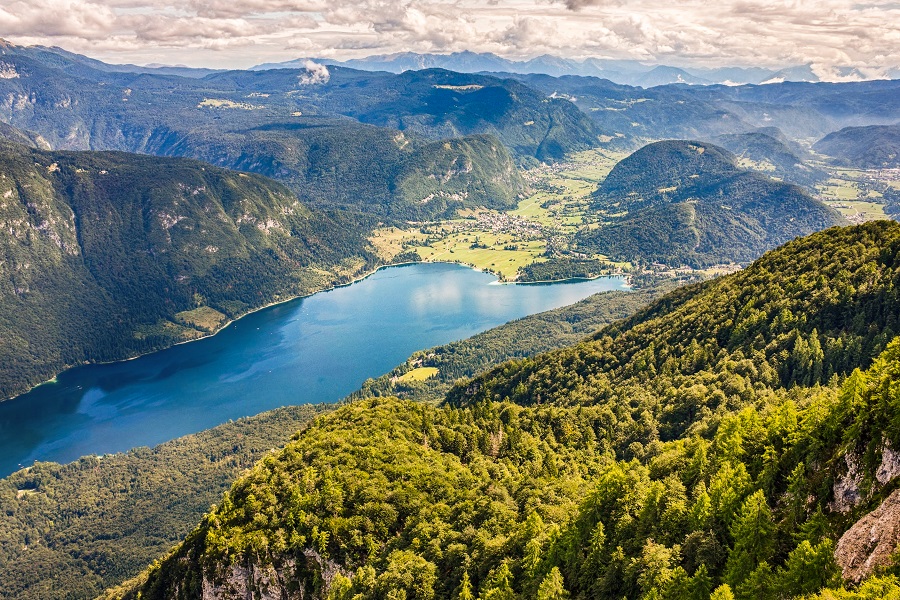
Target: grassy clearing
{"x":419,"y":374}
{"x":203,"y":317}
{"x":859,"y":211}
{"x":858,"y":194}
{"x":503,"y":243}
{"x":388,"y":242}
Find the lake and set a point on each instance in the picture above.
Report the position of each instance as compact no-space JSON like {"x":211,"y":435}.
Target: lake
{"x":310,"y":350}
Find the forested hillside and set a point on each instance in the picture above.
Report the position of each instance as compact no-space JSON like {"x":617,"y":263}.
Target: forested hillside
{"x":107,"y":255}
{"x":729,"y":441}
{"x":278,"y":124}
{"x":681,"y":202}
{"x":70,"y":531}
{"x":872,"y":147}
{"x":333,"y":163}
{"x":154,"y":497}
{"x":771,"y":153}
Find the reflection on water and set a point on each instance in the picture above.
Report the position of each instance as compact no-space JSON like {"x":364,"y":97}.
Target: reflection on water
{"x":317,"y":349}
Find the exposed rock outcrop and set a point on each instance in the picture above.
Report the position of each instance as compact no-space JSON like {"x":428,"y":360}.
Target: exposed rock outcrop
{"x":846,"y":488}
{"x":286,"y":579}
{"x":871,"y":540}
{"x":890,"y":464}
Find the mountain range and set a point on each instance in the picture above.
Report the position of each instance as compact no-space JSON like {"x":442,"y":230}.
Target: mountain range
{"x":627,"y":72}
{"x":107,"y":255}
{"x":872,"y":147}
{"x":730,"y":439}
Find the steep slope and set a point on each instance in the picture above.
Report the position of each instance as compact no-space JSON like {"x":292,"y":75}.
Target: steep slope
{"x":588,"y":491}
{"x":440,"y":104}
{"x":632,"y":116}
{"x":816,"y":307}
{"x":25,"y":138}
{"x":273,"y":123}
{"x":681,"y":202}
{"x":873,"y":147}
{"x":333,"y":163}
{"x":108,"y":254}
{"x":153,"y":498}
{"x":73,"y":530}
{"x":771,"y":154}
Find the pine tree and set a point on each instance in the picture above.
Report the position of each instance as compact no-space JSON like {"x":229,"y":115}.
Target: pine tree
{"x":723,"y":592}
{"x":465,"y":588}
{"x":552,"y":587}
{"x":753,"y":533}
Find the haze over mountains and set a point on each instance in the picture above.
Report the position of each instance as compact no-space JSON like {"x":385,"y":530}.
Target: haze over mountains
{"x":626,"y":72}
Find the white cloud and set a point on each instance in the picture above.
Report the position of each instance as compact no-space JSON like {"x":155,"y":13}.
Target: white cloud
{"x":839,"y":38}
{"x":315,"y":74}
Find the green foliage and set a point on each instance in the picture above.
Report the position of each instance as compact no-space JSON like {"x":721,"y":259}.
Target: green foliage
{"x":557,"y":269}
{"x":780,"y":157}
{"x":96,"y":522}
{"x":586,"y":497}
{"x":551,"y":587}
{"x":524,"y":337}
{"x":682,"y":202}
{"x":870,"y":147}
{"x":141,"y":239}
{"x":817,"y":307}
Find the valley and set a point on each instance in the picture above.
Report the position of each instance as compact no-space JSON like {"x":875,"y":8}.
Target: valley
{"x":505,"y":243}
{"x":452,"y":334}
{"x":308,"y":351}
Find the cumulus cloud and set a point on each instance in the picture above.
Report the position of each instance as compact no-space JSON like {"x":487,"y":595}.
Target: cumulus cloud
{"x":315,"y":74}
{"x":838,"y":38}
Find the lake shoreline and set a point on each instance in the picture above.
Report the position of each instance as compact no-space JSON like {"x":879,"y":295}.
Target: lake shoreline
{"x":358,"y":278}
{"x":320,"y":349}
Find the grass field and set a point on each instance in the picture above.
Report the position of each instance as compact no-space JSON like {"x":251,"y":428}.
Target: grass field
{"x":503,"y":243}
{"x":419,"y":374}
{"x":855,"y":193}
{"x":857,"y":211}
{"x":204,"y":317}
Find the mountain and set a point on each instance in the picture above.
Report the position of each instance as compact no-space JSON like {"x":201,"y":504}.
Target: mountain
{"x":733,"y":440}
{"x":108,"y":255}
{"x":123,"y":511}
{"x":768,"y":150}
{"x":152,"y":498}
{"x":441,"y":104}
{"x":632,"y":116}
{"x":24,"y":138}
{"x":627,"y":72}
{"x":669,"y":75}
{"x":681,"y":202}
{"x":802,"y":73}
{"x":872,"y":147}
{"x":296,"y":130}
{"x":331,"y":163}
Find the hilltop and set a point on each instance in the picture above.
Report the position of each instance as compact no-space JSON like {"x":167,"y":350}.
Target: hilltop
{"x":731,"y":440}
{"x":682,"y":202}
{"x":872,"y":147}
{"x":109,"y":255}
{"x":771,"y":153}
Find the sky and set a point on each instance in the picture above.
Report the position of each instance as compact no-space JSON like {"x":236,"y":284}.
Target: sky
{"x":240,"y":33}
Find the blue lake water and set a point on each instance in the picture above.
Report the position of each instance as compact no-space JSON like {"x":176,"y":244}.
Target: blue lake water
{"x":310,"y":350}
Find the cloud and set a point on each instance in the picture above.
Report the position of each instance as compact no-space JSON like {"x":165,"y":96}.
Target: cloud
{"x":839,"y":38}
{"x":315,"y":74}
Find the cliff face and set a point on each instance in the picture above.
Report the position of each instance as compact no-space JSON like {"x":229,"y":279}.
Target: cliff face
{"x":871,"y":541}
{"x":277,"y":580}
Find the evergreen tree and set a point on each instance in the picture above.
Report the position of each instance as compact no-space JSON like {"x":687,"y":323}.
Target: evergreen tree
{"x":551,"y":587}
{"x":753,"y":534}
